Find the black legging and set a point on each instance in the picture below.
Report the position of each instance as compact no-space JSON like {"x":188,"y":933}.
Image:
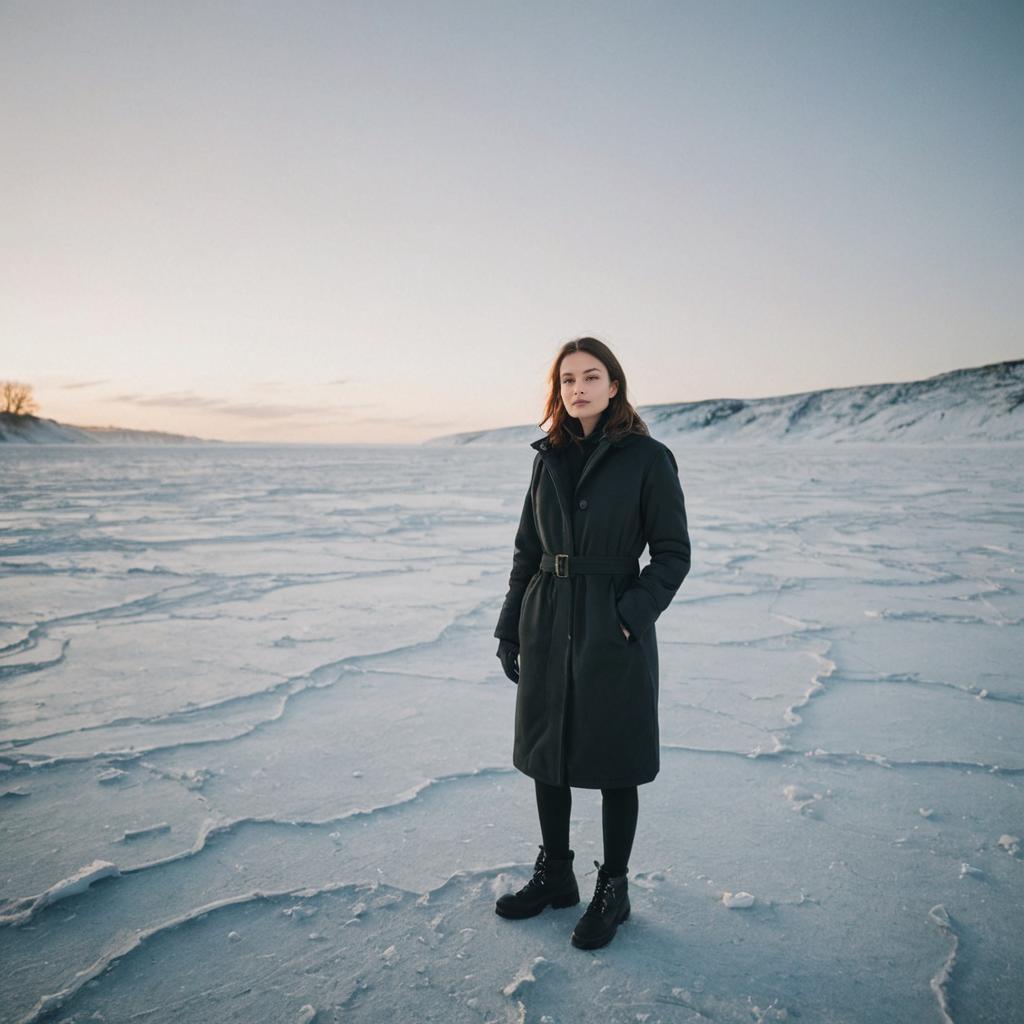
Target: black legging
{"x":619,"y":808}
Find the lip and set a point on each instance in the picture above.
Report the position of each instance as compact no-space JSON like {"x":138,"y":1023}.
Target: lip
{"x":581,"y":402}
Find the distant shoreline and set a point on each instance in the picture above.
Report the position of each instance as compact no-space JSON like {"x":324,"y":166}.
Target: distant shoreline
{"x":982,"y":404}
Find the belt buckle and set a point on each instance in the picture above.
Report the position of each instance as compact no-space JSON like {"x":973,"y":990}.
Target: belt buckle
{"x":563,"y":561}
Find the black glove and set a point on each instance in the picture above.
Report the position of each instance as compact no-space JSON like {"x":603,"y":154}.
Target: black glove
{"x":509,"y":654}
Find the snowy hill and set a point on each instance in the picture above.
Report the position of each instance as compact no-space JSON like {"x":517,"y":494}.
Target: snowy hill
{"x":982,"y":403}
{"x":36,"y":430}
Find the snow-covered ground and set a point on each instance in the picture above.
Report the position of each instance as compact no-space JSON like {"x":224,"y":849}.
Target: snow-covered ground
{"x":255,"y":746}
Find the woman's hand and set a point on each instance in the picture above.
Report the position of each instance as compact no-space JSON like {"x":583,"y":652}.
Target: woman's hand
{"x":508,"y":652}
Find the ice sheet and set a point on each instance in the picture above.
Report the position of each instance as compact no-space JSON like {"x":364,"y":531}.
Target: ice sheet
{"x":255,"y":747}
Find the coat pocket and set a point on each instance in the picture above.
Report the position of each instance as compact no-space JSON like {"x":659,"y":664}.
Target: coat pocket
{"x":623,"y":639}
{"x":525,"y":608}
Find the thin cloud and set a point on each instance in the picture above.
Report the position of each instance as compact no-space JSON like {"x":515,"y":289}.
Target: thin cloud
{"x":247,"y":410}
{"x":260,"y":410}
{"x":175,"y":400}
{"x":82,"y":384}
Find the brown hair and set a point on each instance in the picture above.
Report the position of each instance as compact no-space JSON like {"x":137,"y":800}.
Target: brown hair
{"x":622,"y":417}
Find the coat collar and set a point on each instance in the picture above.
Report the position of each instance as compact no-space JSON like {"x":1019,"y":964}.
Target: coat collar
{"x":576,"y":428}
{"x":543,"y":444}
{"x":556,"y":461}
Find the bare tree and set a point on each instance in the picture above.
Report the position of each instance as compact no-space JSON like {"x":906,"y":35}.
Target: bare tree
{"x":17,"y":398}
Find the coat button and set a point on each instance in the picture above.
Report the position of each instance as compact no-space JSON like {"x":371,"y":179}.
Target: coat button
{"x":583,"y":502}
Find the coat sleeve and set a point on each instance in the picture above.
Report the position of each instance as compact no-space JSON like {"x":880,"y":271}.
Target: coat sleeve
{"x":525,"y":564}
{"x":663,"y":513}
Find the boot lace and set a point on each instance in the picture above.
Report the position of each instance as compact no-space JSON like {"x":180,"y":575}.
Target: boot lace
{"x":540,"y":875}
{"x":604,"y":893}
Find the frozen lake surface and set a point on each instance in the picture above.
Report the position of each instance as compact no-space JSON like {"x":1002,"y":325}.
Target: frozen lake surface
{"x":255,"y":744}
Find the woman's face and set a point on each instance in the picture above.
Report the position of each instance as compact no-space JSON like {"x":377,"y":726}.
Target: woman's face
{"x":586,"y":389}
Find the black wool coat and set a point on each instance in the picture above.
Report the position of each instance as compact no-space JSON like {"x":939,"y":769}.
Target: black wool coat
{"x":587,"y":699}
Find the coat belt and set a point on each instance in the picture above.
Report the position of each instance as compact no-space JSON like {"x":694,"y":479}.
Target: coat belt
{"x":573,"y":565}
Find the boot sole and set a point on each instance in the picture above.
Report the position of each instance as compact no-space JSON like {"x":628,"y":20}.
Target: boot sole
{"x":569,"y":899}
{"x":604,"y":939}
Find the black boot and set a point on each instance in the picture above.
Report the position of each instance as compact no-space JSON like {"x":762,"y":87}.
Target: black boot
{"x":553,"y":883}
{"x":607,"y":910}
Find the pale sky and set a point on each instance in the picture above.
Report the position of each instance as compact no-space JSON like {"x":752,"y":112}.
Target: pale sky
{"x":378,"y":221}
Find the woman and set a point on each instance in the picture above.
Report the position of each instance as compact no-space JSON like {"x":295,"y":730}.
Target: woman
{"x":577,"y":625}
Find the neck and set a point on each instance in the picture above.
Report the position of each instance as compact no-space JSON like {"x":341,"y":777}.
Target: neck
{"x":597,"y":422}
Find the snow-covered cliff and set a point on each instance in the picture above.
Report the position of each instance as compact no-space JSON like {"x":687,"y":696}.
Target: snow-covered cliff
{"x":982,"y":403}
{"x":36,"y":430}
